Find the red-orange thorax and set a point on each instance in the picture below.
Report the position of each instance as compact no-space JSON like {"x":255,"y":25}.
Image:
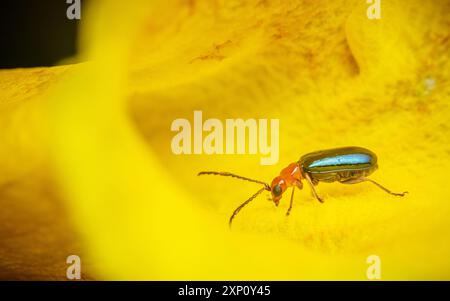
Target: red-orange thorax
{"x":291,"y":174}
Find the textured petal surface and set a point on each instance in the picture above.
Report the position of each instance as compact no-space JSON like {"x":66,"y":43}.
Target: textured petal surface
{"x":85,"y":149}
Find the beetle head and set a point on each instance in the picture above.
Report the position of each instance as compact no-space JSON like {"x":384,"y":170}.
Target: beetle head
{"x":277,"y":188}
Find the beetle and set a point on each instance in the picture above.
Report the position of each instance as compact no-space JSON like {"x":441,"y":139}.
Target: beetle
{"x":346,"y":165}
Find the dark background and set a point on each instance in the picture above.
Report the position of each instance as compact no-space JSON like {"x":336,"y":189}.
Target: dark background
{"x":36,"y":32}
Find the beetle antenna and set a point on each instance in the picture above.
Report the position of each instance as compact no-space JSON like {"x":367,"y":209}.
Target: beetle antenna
{"x":228,"y":174}
{"x":236,"y":211}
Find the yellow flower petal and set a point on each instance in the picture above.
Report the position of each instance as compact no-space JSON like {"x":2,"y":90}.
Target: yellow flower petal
{"x":330,"y":75}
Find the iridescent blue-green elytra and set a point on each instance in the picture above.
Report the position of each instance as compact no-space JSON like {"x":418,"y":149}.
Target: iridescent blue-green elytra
{"x":339,"y":164}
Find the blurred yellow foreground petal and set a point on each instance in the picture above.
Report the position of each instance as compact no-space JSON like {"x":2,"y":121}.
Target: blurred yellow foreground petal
{"x":97,"y":135}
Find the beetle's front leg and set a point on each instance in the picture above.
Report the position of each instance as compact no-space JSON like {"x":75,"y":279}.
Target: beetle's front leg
{"x":308,"y":178}
{"x":292,"y":200}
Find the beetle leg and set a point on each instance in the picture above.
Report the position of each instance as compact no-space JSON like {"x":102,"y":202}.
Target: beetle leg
{"x":352,"y":180}
{"x":290,"y":204}
{"x":308,"y":178}
{"x":364,"y":179}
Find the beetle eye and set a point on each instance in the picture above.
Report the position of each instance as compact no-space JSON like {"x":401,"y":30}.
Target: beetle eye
{"x":276,"y":190}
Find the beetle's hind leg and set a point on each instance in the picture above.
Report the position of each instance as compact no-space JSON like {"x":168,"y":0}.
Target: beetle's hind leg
{"x":364,"y":179}
{"x":308,"y":178}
